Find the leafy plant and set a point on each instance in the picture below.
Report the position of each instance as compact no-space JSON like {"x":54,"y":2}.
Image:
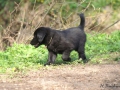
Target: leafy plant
{"x":98,"y":44}
{"x":101,"y":3}
{"x":21,"y":56}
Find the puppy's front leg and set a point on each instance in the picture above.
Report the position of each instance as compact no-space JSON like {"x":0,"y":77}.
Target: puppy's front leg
{"x":51,"y":58}
{"x":66,"y":55}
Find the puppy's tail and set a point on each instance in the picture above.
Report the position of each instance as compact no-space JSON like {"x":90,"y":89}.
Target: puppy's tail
{"x":82,"y":23}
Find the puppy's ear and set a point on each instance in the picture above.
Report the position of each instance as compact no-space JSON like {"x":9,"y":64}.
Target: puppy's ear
{"x":41,"y":35}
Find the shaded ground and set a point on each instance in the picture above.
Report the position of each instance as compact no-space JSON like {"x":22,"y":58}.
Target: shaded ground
{"x":68,"y":77}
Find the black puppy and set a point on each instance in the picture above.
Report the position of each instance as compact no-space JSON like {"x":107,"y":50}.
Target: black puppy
{"x":62,"y":42}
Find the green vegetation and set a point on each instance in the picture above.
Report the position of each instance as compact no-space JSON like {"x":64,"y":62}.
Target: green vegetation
{"x":100,"y":47}
{"x":96,"y":3}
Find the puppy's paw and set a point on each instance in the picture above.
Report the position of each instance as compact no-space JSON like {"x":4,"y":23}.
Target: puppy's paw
{"x":85,"y":61}
{"x":46,"y":64}
{"x":67,"y":60}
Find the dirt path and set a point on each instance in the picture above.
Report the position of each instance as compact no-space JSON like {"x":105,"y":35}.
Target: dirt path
{"x":68,"y":77}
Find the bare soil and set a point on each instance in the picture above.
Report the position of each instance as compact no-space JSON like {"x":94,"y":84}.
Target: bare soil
{"x":66,"y":77}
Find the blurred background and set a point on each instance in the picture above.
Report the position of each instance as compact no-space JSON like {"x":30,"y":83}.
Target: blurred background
{"x":20,"y":18}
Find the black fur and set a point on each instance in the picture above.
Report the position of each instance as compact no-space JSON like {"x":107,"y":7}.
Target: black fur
{"x":62,"y":42}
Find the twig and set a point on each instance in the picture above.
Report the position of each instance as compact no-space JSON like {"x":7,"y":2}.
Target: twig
{"x":23,"y":18}
{"x":111,"y":25}
{"x":87,"y":7}
{"x":44,"y":16}
{"x":34,"y":5}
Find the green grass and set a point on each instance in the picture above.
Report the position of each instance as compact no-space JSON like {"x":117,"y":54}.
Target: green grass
{"x":100,"y":48}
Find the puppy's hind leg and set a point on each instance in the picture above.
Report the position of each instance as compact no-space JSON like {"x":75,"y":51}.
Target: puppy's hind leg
{"x":81,"y":53}
{"x":51,"y":58}
{"x":66,"y":55}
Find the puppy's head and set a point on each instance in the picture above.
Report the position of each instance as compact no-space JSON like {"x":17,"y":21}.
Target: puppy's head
{"x":39,"y":36}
